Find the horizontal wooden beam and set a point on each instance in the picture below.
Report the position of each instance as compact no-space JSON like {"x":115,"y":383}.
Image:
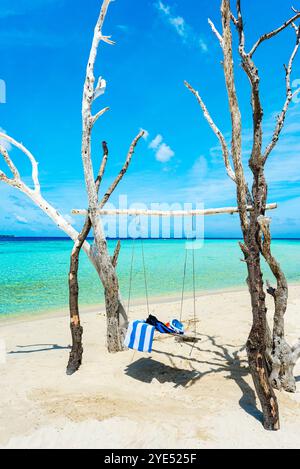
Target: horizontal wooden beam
{"x":170,"y":213}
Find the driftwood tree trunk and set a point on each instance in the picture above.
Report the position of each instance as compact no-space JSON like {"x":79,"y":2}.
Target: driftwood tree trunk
{"x":76,"y":353}
{"x":256,"y":345}
{"x":271,"y":359}
{"x":116,"y":316}
{"x":75,"y":358}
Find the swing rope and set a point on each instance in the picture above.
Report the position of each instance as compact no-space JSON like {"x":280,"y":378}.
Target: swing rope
{"x":130,"y":276}
{"x":194,"y":292}
{"x":194,"y":288}
{"x":145,"y":277}
{"x":183,"y":283}
{"x":144,"y":273}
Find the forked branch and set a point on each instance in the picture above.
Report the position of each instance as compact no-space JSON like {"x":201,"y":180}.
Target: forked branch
{"x":254,"y":79}
{"x":35,"y":194}
{"x":10,"y":164}
{"x":273,"y":33}
{"x":123,"y":170}
{"x":99,"y":114}
{"x":289,"y":97}
{"x":216,"y":32}
{"x":235,"y":113}
{"x":34,"y":164}
{"x":216,"y":130}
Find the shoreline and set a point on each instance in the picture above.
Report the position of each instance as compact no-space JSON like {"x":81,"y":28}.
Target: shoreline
{"x":135,"y":302}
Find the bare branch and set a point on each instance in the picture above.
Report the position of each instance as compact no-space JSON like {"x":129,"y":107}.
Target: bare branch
{"x":99,"y":114}
{"x":89,"y":120}
{"x":116,"y":316}
{"x":34,"y":164}
{"x":115,"y":256}
{"x":4,"y":178}
{"x":89,"y":86}
{"x":234,"y":20}
{"x":236,"y":120}
{"x":289,"y":97}
{"x":9,"y":163}
{"x":75,"y":358}
{"x":273,"y":33}
{"x":108,"y":40}
{"x":82,"y":236}
{"x":253,"y":75}
{"x":103,"y":165}
{"x":123,"y":170}
{"x":216,"y":32}
{"x":239,"y":23}
{"x":172,"y":213}
{"x":216,"y":130}
{"x":35,"y":195}
{"x":280,"y":294}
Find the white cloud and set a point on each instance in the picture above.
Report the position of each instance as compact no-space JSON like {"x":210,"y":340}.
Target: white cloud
{"x":21,"y":219}
{"x":199,"y":168}
{"x":164,"y":8}
{"x":179,"y":24}
{"x":203,"y":45}
{"x":123,"y":27}
{"x":156,"y":142}
{"x":183,"y":29}
{"x":164,"y":153}
{"x":177,"y":21}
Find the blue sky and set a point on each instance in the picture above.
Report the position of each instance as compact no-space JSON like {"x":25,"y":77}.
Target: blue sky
{"x":44,"y":46}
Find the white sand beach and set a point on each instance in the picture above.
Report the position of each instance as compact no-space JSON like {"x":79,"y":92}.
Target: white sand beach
{"x":168,"y":399}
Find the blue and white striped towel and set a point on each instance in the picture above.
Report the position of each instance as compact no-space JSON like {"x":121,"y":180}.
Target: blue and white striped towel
{"x":139,"y":336}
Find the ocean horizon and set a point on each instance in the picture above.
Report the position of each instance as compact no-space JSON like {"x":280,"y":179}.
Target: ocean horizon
{"x":66,"y":238}
{"x":34,"y":270}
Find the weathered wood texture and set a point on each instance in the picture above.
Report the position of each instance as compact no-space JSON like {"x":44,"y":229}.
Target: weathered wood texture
{"x":75,"y":359}
{"x":171,"y":213}
{"x":271,"y":359}
{"x":116,"y":315}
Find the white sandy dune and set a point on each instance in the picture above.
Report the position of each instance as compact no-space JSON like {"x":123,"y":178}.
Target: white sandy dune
{"x":174,"y":398}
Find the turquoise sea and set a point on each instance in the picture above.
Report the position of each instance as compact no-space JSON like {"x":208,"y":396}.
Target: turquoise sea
{"x":34,"y":272}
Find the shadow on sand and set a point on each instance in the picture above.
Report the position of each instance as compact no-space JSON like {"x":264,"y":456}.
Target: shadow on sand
{"x":46,"y":348}
{"x":221,"y":361}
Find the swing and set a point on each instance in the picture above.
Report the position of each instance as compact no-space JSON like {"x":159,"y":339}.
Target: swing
{"x":140,"y":333}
